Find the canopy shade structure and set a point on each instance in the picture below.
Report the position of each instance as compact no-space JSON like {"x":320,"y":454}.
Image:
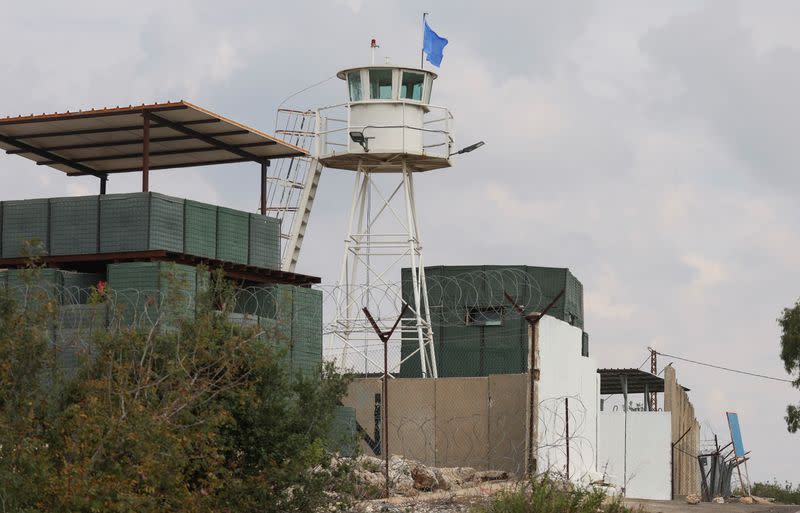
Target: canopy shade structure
{"x":638,"y":381}
{"x":100,"y":142}
{"x":112,"y":140}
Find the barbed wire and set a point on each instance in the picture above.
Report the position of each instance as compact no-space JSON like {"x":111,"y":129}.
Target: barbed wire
{"x":77,"y":308}
{"x":459,"y":298}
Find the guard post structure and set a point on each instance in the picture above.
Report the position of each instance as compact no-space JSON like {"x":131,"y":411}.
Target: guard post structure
{"x":386,"y":132}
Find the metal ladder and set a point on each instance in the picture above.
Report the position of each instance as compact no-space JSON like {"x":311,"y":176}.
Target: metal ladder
{"x":292,"y":183}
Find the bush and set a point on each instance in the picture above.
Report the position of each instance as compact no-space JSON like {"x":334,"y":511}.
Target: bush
{"x":544,"y":495}
{"x":784,"y":493}
{"x":192,"y":414}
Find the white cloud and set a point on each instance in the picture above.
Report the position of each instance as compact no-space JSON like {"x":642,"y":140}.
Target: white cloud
{"x":708,"y":274}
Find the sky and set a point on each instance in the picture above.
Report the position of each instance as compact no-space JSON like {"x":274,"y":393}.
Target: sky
{"x":645,"y":145}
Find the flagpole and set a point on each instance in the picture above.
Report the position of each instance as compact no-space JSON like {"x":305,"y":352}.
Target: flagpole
{"x":422,"y":51}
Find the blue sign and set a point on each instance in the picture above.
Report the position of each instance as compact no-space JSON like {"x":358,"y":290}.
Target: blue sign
{"x":736,"y":434}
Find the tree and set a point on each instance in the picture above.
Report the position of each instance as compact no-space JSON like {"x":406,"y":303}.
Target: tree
{"x":790,"y":354}
{"x":192,"y":413}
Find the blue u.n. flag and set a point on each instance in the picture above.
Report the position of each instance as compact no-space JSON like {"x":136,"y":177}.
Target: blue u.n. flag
{"x":433,"y":45}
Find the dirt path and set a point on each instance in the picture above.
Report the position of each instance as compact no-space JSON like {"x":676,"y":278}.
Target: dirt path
{"x":707,"y":507}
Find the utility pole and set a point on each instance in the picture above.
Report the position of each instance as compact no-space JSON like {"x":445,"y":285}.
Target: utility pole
{"x":653,"y":370}
{"x":533,"y":319}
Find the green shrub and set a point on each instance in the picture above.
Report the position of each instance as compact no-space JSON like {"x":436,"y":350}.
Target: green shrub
{"x":194,"y":414}
{"x":784,"y":493}
{"x":544,"y":495}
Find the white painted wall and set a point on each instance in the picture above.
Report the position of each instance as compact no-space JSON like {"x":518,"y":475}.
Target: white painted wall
{"x":648,"y":445}
{"x":564,"y":373}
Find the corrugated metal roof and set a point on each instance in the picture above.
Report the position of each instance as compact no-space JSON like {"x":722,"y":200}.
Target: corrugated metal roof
{"x":110,"y":140}
{"x":611,"y":381}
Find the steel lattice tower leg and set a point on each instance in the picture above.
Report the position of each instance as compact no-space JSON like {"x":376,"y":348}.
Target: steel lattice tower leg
{"x":371,"y":261}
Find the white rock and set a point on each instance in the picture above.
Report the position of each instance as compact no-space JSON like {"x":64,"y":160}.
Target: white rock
{"x":454,"y":477}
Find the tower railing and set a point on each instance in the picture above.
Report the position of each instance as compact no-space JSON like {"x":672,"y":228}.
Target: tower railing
{"x":334,"y":127}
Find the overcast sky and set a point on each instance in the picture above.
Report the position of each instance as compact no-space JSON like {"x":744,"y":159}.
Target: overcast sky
{"x":646,"y":146}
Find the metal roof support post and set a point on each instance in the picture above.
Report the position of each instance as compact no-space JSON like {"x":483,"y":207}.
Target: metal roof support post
{"x":146,"y":152}
{"x":264,"y":166}
{"x":103,"y":182}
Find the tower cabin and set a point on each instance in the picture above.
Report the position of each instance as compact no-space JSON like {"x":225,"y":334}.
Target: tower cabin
{"x":390,"y":121}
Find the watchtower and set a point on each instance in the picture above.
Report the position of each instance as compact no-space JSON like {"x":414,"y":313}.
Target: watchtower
{"x":387,"y":127}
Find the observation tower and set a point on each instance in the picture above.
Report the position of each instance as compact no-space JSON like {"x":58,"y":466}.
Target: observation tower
{"x":387,"y":132}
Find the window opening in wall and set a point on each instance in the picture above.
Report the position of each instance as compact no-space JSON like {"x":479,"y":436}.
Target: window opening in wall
{"x":380,"y":84}
{"x":411,"y":86}
{"x":485,"y":316}
{"x":354,"y":82}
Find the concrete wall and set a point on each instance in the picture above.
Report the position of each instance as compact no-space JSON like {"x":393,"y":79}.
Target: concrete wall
{"x":633,"y":453}
{"x":564,"y":373}
{"x":686,"y":470}
{"x":481,"y":421}
{"x":449,"y":422}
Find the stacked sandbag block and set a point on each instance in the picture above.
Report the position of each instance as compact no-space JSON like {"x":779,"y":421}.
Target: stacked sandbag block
{"x":342,"y":432}
{"x":265,"y":242}
{"x":74,"y":225}
{"x":141,"y":288}
{"x":25,"y":221}
{"x":200,"y":229}
{"x":307,"y":330}
{"x":140,"y":221}
{"x":233,"y":232}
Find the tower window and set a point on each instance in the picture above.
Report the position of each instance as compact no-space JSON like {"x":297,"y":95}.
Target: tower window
{"x":354,"y":83}
{"x":411,"y":86}
{"x":380,"y":84}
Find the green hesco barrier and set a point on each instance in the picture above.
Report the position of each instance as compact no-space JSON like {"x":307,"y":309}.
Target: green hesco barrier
{"x":233,"y":227}
{"x":139,"y":287}
{"x":28,"y":285}
{"x":25,"y":220}
{"x":80,"y":280}
{"x":291,"y":317}
{"x":166,"y":222}
{"x":342,"y":433}
{"x":200,"y":229}
{"x":139,"y":222}
{"x":85,"y":317}
{"x":73,"y":225}
{"x":477,"y":350}
{"x":72,"y":346}
{"x":116,"y":223}
{"x":265,"y":243}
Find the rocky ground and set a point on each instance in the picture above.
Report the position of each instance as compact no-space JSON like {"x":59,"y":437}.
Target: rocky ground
{"x":417,"y":488}
{"x":408,"y":477}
